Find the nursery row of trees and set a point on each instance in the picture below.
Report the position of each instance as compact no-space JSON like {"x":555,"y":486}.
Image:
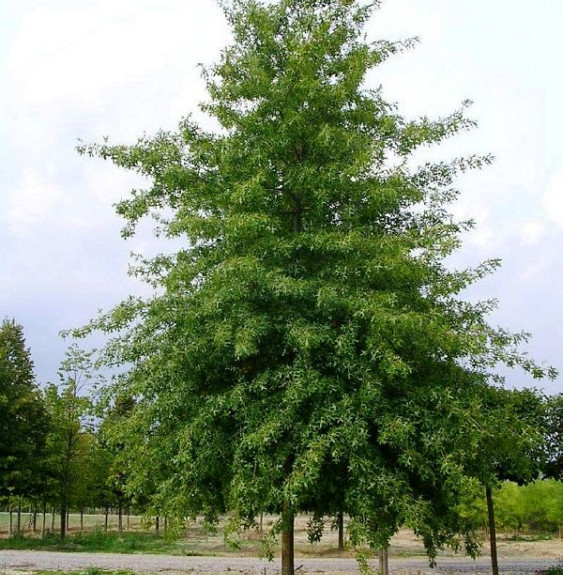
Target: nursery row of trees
{"x":52,"y":451}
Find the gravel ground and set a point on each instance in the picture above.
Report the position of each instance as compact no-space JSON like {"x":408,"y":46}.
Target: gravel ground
{"x":19,"y":562}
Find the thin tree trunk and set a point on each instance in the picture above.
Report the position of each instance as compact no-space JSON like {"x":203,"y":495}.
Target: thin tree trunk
{"x":165,"y":524}
{"x":107,"y":518}
{"x":287,"y":541}
{"x":34,"y":519}
{"x":19,"y":520}
{"x":63,"y":518}
{"x":261,"y":527}
{"x":53,"y":520}
{"x":11,"y":521}
{"x":44,"y":519}
{"x":341,"y":531}
{"x":384,"y":561}
{"x":157,"y":524}
{"x":492,"y":529}
{"x":120,"y":517}
{"x":81,"y":519}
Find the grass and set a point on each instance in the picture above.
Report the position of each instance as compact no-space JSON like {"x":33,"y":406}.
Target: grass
{"x":555,"y":570}
{"x":96,"y":541}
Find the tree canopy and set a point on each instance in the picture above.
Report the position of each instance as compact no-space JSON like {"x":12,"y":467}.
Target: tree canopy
{"x":307,"y":347}
{"x":23,"y":422}
{"x":71,"y":447}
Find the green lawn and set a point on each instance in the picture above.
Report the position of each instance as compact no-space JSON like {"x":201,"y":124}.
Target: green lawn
{"x":96,"y":542}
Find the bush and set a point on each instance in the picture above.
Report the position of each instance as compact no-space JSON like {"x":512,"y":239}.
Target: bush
{"x":537,"y":507}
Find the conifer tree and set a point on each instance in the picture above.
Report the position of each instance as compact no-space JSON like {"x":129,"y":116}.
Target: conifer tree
{"x":22,"y":416}
{"x":306,"y":348}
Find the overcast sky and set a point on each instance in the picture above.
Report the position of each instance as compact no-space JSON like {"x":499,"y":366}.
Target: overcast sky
{"x":84,"y":69}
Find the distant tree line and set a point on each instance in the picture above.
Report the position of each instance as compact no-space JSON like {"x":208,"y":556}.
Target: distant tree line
{"x":52,"y":456}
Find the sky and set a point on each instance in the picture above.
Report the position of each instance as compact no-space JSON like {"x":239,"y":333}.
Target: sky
{"x":80,"y":70}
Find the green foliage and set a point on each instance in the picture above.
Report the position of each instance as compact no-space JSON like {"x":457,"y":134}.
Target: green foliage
{"x":72,"y":449}
{"x":306,"y":347}
{"x":23,"y":422}
{"x":542,"y":505}
{"x":96,"y":542}
{"x":554,"y":436}
{"x":533,"y":508}
{"x":556,"y":569}
{"x":512,"y":444}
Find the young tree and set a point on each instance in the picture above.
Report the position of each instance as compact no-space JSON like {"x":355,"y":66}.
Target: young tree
{"x":112,"y":435}
{"x":68,"y":439}
{"x":307,"y":340}
{"x":22,"y":416}
{"x":512,"y":446}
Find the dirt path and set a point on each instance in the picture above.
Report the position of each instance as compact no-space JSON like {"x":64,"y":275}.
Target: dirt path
{"x":28,"y":561}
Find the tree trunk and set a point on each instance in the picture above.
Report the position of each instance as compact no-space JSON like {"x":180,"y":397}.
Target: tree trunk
{"x":53,"y":520}
{"x":81,"y":519}
{"x":341,"y":531}
{"x":11,"y":520}
{"x":157,"y":524}
{"x":492,"y":529}
{"x":63,"y":518}
{"x":44,"y":519}
{"x":120,"y":517}
{"x":106,"y":520}
{"x":384,"y":561}
{"x":287,"y":541}
{"x":34,"y":518}
{"x":19,"y":519}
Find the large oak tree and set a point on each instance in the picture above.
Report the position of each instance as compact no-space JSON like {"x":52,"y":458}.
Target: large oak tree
{"x":306,"y":347}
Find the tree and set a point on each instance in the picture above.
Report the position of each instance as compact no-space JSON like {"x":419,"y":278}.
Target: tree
{"x":308,"y":338}
{"x":512,"y":447}
{"x":119,"y":459}
{"x":22,"y":416}
{"x":68,"y":439}
{"x":554,"y":437}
